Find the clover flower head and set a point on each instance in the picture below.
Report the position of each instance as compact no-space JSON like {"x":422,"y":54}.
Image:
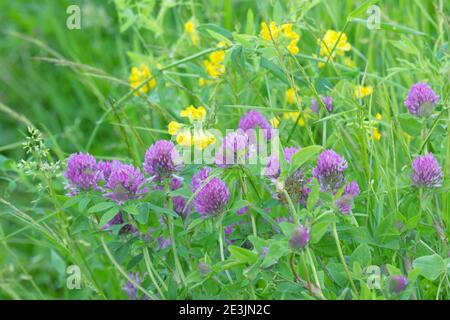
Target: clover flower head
{"x":105,"y":168}
{"x":124,"y":183}
{"x":162,"y":160}
{"x":235,"y":149}
{"x":344,"y":203}
{"x":212,"y":198}
{"x":426,"y":172}
{"x":421,"y":100}
{"x":199,"y":177}
{"x":330,"y":171}
{"x":299,"y":237}
{"x":327,"y":101}
{"x":253,"y":120}
{"x":82,"y":173}
{"x":179,"y":203}
{"x":398,"y":283}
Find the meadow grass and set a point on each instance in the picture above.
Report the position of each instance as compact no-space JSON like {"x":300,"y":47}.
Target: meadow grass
{"x":73,"y":86}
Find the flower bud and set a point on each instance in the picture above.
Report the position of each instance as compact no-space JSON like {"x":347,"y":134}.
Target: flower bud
{"x":299,"y":237}
{"x":398,"y":283}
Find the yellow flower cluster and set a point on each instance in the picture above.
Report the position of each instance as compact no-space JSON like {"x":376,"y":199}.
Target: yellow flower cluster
{"x":273,"y":32}
{"x":138,"y":76}
{"x":200,"y":139}
{"x":193,"y":113}
{"x":214,"y":65}
{"x":289,"y":96}
{"x":191,"y":29}
{"x":376,"y":134}
{"x":363,"y":91}
{"x":333,"y":43}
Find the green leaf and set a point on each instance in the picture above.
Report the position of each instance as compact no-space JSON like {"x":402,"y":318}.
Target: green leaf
{"x":274,"y":69}
{"x":320,"y":227}
{"x":430,"y":266}
{"x":131,"y":209}
{"x":304,"y":155}
{"x":242,"y":255}
{"x":410,"y":124}
{"x":361,"y":255}
{"x":107,"y":216}
{"x":83,"y":203}
{"x":249,"y":29}
{"x":313,"y":196}
{"x":102,"y":206}
{"x":287,"y":228}
{"x":362,"y":8}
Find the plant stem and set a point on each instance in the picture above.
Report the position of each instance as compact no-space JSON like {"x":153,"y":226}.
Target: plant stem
{"x":222,"y":254}
{"x":313,"y":267}
{"x":148,"y":263}
{"x":292,"y":207}
{"x":341,"y":256}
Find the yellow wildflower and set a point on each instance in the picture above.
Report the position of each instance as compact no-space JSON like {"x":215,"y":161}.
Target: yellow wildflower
{"x":290,"y":96}
{"x":217,"y":57}
{"x":378,"y":117}
{"x":274,"y":122}
{"x":214,"y":65}
{"x":191,"y":29}
{"x":273,"y":32}
{"x":363,"y":91}
{"x":193,"y":113}
{"x":376,"y":134}
{"x":138,"y":76}
{"x":174,"y":127}
{"x":203,"y":139}
{"x":331,"y":39}
{"x":184,"y":138}
{"x":269,"y":32}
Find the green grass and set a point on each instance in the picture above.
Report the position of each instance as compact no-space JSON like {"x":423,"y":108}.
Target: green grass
{"x":73,"y":86}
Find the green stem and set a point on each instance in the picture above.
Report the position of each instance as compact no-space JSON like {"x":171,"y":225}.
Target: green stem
{"x":222,"y":254}
{"x":292,"y":207}
{"x":148,"y":263}
{"x":313,"y":267}
{"x":341,"y":256}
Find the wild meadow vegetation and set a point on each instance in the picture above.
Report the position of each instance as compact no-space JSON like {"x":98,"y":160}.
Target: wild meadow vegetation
{"x":224,"y":149}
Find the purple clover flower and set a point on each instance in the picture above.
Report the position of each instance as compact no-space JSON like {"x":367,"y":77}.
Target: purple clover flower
{"x":398,"y":283}
{"x":421,"y":99}
{"x":344,"y":203}
{"x":328,"y":101}
{"x":426,"y":172}
{"x":162,"y":160}
{"x":129,"y":287}
{"x":125,"y":183}
{"x":105,"y":168}
{"x":212,"y":198}
{"x":330,"y":171}
{"x":82,"y":173}
{"x":299,"y":237}
{"x":199,"y":177}
{"x":179,"y":203}
{"x":253,"y":120}
{"x":235,"y":149}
